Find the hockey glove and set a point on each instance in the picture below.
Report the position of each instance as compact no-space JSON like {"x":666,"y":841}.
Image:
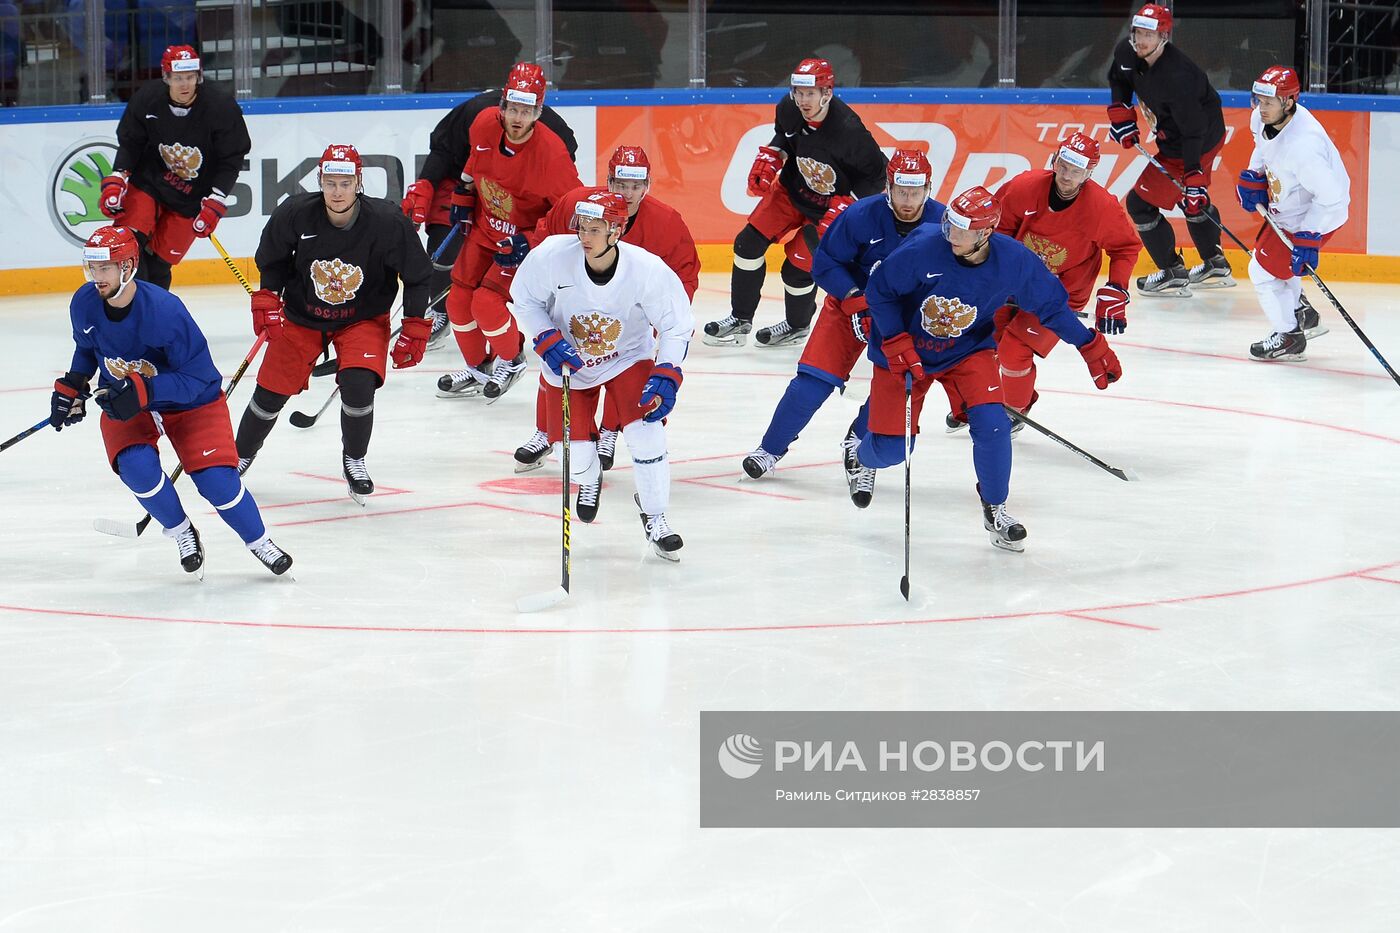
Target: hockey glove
{"x":510,"y":252}
{"x":126,"y":399}
{"x":556,"y":352}
{"x":412,"y":343}
{"x":1111,"y":312}
{"x":901,"y":357}
{"x":211,"y":210}
{"x":113,"y":194}
{"x":416,"y":201}
{"x":1195,"y":200}
{"x":66,"y":406}
{"x":463,"y":208}
{"x":834,"y":209}
{"x":765,"y":170}
{"x":659,"y":394}
{"x":1305,"y":246}
{"x":1252,"y":190}
{"x":1102,"y":361}
{"x":267,"y":314}
{"x":857,"y":309}
{"x":1122,"y":125}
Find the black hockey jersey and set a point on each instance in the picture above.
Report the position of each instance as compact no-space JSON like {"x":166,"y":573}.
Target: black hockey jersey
{"x":1181,"y":104}
{"x":839,"y":157}
{"x":178,"y":155}
{"x":449,"y":147}
{"x":330,"y":276}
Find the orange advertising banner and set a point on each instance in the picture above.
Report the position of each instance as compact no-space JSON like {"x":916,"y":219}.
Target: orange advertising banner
{"x":701,"y":155}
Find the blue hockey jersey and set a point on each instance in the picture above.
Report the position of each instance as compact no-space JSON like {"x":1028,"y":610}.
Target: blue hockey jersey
{"x":859,"y":239}
{"x":947,"y":307}
{"x":156,"y":337}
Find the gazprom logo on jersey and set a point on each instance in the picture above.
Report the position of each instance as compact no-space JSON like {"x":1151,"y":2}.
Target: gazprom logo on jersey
{"x":75,"y":188}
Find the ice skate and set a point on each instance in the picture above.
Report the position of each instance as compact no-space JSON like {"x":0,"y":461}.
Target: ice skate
{"x":191,"y":548}
{"x":441,"y":330}
{"x":759,"y":463}
{"x":607,"y":448}
{"x":586,"y":505}
{"x":464,"y":383}
{"x":727,"y":332}
{"x":1167,"y":283}
{"x":860,"y":480}
{"x":356,"y":478}
{"x":781,"y":334}
{"x":1213,"y":273}
{"x":504,"y":374}
{"x":952,"y":424}
{"x":1308,"y":321}
{"x":1004,"y":531}
{"x":1286,"y":348}
{"x":533,"y":453}
{"x":243,"y":464}
{"x":665,"y":542}
{"x":271,"y":556}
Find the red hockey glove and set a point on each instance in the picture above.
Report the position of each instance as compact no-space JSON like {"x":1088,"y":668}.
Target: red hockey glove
{"x":1102,"y":361}
{"x":1122,"y":124}
{"x":416,"y":201}
{"x":834,"y":209}
{"x":1195,"y":200}
{"x":412,"y":343}
{"x":113,"y":194}
{"x":1111,"y":313}
{"x":267,"y":314}
{"x":856,"y":308}
{"x":765,"y":170}
{"x":211,"y":210}
{"x":901,"y":356}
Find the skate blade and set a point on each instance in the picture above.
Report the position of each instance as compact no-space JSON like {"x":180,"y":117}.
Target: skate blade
{"x":357,"y":498}
{"x":464,"y":393}
{"x":737,"y":340}
{"x":1183,"y":292}
{"x":796,"y":341}
{"x":1216,"y":281}
{"x":673,"y":557}
{"x":1015,"y":547}
{"x":530,"y":467}
{"x":1286,"y":358}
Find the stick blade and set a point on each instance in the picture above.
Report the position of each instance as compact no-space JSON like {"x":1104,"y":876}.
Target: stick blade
{"x":300,"y":419}
{"x":110,"y":526}
{"x":1127,"y":474}
{"x":538,"y":602}
{"x":904,"y":587}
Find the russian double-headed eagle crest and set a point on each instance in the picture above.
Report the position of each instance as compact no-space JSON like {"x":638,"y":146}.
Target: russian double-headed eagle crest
{"x":1050,"y":252}
{"x":119,"y":368}
{"x":819,"y":176}
{"x":498,"y":200}
{"x":947,"y":317}
{"x":183,"y":160}
{"x":335,"y":281}
{"x":595,"y":334}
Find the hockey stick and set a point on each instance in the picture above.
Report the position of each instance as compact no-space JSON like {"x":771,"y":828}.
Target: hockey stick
{"x":1172,"y":178}
{"x":1263,"y":212}
{"x":229,"y":262}
{"x":908,"y":453}
{"x":23,"y":434}
{"x":538,"y":601}
{"x":330,"y":364}
{"x":1127,"y":474}
{"x":110,"y":526}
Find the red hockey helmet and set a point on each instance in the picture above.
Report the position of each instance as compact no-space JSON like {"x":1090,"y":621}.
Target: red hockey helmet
{"x":340,"y":160}
{"x":1080,"y":150}
{"x":908,"y":168}
{"x":1278,"y":81}
{"x":814,"y":72}
{"x":524,"y":85}
{"x":1154,"y":18}
{"x":179,"y":59}
{"x":629,"y":163}
{"x":974,"y":209}
{"x":111,"y":244}
{"x":602,"y":205}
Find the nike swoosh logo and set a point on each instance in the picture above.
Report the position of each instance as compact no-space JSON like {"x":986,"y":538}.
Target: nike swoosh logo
{"x":992,"y":388}
{"x":562,"y":287}
{"x":308,"y":236}
{"x":88,"y":330}
{"x":790,"y":135}
{"x":210,"y":451}
{"x":507,"y":273}
{"x":483,"y":148}
{"x":876,"y":240}
{"x":370,"y":356}
{"x":1029,"y":213}
{"x":151,"y":116}
{"x":1126,"y":67}
{"x":932,"y":275}
{"x":1032,"y":330}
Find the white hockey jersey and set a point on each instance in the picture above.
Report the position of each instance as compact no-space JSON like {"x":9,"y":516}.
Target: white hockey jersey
{"x":1308,"y":184}
{"x":610,"y":325}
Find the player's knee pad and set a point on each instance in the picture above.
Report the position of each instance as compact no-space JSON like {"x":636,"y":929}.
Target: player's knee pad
{"x":139,"y":469}
{"x":220,"y":486}
{"x":459,"y":307}
{"x":1144,"y":215}
{"x":584,"y":467}
{"x":646,"y":441}
{"x":987,"y":421}
{"x":357,"y":388}
{"x":1259,"y":275}
{"x":750,"y":245}
{"x":796,"y":280}
{"x":811,"y":386}
{"x":266,"y":404}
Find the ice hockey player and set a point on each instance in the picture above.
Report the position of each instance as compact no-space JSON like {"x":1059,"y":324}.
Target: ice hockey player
{"x":932,"y":303}
{"x":331,"y":261}
{"x":1070,"y":222}
{"x":512,"y":178}
{"x":653,"y":225}
{"x":1296,"y":172}
{"x":180,"y":146}
{"x":821,"y":156}
{"x":429,"y":198}
{"x":859,"y":237}
{"x":616,"y":316}
{"x":155,"y":377}
{"x":1184,"y":110}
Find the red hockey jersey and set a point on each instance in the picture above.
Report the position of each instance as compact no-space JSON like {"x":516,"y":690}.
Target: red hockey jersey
{"x":514,"y":191}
